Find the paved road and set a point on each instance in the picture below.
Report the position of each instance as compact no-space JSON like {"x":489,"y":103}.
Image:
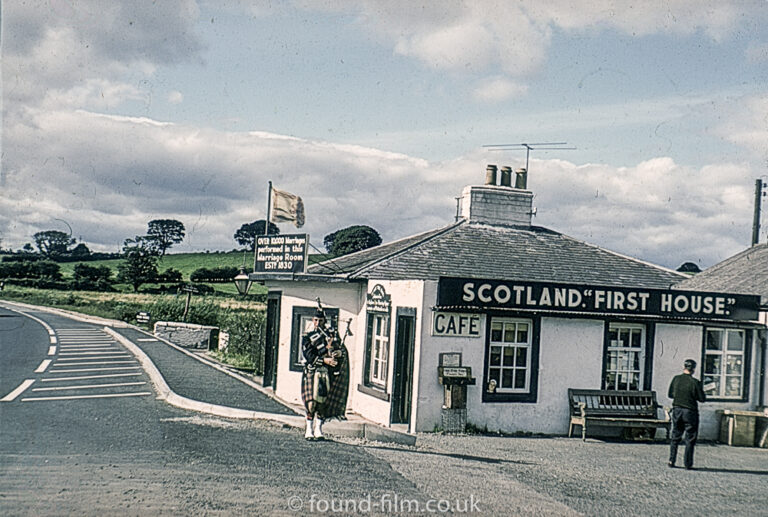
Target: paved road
{"x":89,"y":444}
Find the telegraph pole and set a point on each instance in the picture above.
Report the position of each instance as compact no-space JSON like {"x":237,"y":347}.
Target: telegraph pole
{"x":756,"y":218}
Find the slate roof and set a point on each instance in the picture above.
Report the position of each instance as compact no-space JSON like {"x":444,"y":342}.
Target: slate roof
{"x":476,"y":250}
{"x":743,"y":273}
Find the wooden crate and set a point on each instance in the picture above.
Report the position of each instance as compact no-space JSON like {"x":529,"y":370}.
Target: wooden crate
{"x":737,"y":428}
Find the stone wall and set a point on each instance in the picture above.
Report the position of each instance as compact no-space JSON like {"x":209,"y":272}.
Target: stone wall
{"x":188,"y":335}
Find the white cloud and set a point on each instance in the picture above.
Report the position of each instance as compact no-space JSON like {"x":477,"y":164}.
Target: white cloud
{"x":108,"y":176}
{"x":514,"y":37}
{"x":498,"y":89}
{"x":62,"y":52}
{"x":746,"y":124}
{"x":657,"y":210}
{"x":175,"y":97}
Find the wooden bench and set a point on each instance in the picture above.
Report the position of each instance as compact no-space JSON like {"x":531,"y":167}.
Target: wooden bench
{"x":630,"y":409}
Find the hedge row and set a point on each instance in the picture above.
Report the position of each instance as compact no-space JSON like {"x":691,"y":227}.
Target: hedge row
{"x":31,"y":269}
{"x":217,"y":275}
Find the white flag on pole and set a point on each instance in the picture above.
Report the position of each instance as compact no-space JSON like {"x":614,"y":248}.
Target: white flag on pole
{"x":287,"y":208}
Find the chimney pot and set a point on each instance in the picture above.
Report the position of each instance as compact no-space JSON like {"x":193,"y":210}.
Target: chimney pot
{"x":521,"y":179}
{"x":506,"y":176}
{"x":490,"y":175}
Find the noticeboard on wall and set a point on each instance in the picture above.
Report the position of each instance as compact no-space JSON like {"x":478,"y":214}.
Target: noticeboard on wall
{"x":281,"y":253}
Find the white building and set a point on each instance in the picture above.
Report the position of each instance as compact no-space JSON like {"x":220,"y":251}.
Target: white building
{"x":533,"y":310}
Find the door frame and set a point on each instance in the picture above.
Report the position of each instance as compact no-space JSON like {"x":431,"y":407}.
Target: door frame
{"x":402,"y":375}
{"x":272,"y":338}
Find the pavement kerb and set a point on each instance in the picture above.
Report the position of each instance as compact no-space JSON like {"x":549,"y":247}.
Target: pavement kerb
{"x":183,"y":402}
{"x":365,"y":430}
{"x":71,"y":314}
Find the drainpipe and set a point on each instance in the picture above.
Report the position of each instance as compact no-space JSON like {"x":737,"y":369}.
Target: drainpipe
{"x":761,"y":383}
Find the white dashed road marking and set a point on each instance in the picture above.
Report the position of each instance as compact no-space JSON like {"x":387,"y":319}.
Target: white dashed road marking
{"x":83,"y":350}
{"x":43,"y":366}
{"x":74,"y":397}
{"x":91,"y":386}
{"x":18,"y":391}
{"x":84,"y":377}
{"x":97,"y":369}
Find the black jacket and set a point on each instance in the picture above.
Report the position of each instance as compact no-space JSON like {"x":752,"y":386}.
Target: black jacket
{"x":686,"y":392}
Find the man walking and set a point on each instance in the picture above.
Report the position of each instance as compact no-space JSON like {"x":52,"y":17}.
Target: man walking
{"x":685,"y":392}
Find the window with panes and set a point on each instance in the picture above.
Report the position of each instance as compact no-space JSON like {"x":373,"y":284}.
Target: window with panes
{"x":625,"y":357}
{"x":723,"y":372}
{"x":378,"y":349}
{"x":509,"y":361}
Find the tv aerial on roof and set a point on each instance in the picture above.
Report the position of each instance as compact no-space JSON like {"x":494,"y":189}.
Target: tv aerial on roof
{"x":542,"y":146}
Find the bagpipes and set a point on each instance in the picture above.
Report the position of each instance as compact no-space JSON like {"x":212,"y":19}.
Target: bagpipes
{"x":324,"y":341}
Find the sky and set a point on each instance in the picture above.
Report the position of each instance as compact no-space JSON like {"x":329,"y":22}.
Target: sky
{"x":377,"y":112}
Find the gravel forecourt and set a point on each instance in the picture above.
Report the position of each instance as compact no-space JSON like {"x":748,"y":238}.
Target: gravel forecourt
{"x":565,"y":476}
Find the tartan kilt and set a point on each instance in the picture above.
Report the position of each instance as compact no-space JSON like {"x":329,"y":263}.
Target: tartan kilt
{"x":335,"y":405}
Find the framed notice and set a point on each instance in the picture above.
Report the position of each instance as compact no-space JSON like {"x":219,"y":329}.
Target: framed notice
{"x":281,"y":253}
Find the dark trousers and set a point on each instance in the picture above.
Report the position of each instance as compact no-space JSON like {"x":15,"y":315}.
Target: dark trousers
{"x":685,"y":427}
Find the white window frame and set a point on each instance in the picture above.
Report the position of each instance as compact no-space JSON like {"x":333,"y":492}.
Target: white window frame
{"x":306,"y":326}
{"x":378,"y":368}
{"x":515,"y":344}
{"x":720,"y":378}
{"x":624,"y":369}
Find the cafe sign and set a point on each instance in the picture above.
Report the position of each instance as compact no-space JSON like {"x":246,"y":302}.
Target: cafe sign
{"x":545,"y":296}
{"x":454,"y":324}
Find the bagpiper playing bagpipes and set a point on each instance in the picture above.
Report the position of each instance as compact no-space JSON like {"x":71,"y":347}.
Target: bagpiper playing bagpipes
{"x":325,"y":383}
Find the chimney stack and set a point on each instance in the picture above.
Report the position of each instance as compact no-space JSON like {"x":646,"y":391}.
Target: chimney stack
{"x":490,"y":175}
{"x":502,"y":204}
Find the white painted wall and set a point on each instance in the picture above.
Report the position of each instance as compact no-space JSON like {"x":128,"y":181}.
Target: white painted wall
{"x":403,"y":293}
{"x":570,"y":356}
{"x":676,"y":343}
{"x":429,"y":399}
{"x":344,"y":296}
{"x":349,"y":298}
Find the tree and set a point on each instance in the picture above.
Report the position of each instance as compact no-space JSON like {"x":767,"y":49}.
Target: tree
{"x":53,"y":242}
{"x":91,"y":278}
{"x":351,"y":239}
{"x":246,"y":235}
{"x":84,"y":272}
{"x":80,"y":251}
{"x":165,"y":233}
{"x":140,"y":262}
{"x":689,"y":267}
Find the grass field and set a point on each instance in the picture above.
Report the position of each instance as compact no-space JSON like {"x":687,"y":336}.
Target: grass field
{"x":187,"y":263}
{"x":184,"y":262}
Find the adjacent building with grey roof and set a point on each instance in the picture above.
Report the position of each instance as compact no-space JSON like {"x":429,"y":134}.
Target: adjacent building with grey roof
{"x":746,"y":272}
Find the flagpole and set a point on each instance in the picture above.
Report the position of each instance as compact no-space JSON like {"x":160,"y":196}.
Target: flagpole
{"x":269,"y":207}
{"x":268,"y":220}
